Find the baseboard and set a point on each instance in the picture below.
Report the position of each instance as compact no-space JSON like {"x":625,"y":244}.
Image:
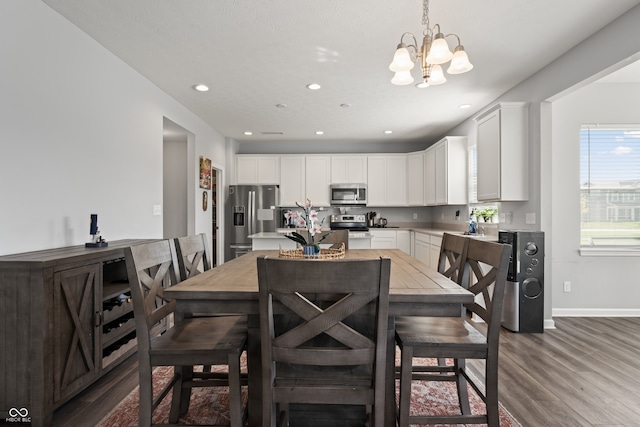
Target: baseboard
{"x":596,"y":312}
{"x":549,"y":324}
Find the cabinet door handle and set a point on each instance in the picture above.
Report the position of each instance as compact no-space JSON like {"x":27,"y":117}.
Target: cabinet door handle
{"x":97,"y":319}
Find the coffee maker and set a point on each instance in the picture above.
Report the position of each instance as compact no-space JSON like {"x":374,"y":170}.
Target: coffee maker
{"x":371,"y":219}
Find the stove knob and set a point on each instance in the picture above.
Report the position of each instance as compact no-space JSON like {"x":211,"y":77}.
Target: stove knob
{"x":531,"y":249}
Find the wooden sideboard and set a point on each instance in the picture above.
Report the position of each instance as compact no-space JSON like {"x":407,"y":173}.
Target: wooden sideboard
{"x":65,"y":319}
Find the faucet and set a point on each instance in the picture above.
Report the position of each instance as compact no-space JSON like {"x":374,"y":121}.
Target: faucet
{"x":481,"y":231}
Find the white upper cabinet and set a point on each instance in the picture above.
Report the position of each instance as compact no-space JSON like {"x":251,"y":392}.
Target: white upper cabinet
{"x":257,"y":169}
{"x":502,"y":135}
{"x":348,"y":169}
{"x":430,"y":177}
{"x":387,"y":180}
{"x":415,"y":179}
{"x":451,"y":170}
{"x":318,"y":176}
{"x":292,"y":180}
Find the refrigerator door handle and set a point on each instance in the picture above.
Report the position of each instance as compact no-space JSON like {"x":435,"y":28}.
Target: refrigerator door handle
{"x":251,"y":211}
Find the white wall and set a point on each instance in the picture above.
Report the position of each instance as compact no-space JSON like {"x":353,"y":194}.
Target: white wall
{"x":599,"y":285}
{"x":608,"y":49}
{"x":81,"y":134}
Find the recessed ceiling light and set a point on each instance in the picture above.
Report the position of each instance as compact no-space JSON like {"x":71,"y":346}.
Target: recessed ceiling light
{"x":248,"y":133}
{"x":201,"y":88}
{"x":313,"y":86}
{"x":319,"y":132}
{"x":281,"y":105}
{"x":388,"y":131}
{"x":463,"y":106}
{"x":345,"y":105}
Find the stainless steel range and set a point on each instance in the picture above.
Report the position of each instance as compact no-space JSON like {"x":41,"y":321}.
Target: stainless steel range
{"x":349,"y":222}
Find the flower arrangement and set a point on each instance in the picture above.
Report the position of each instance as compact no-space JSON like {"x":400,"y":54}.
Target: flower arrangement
{"x":307,"y":219}
{"x":487,"y":213}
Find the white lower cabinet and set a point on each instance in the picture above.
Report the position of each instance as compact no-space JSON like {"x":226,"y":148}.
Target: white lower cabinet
{"x":383,"y":239}
{"x":426,"y":248}
{"x":403,"y":241}
{"x":421,"y":248}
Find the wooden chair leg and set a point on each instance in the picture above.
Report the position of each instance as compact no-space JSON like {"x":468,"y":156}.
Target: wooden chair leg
{"x":176,"y":397}
{"x":146,"y":396}
{"x":187,"y":377}
{"x":462,"y":387}
{"x":406,"y":361}
{"x":235,"y":391}
{"x":491,"y":393}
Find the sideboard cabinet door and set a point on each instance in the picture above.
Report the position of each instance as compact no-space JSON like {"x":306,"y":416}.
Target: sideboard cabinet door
{"x":77,"y":352}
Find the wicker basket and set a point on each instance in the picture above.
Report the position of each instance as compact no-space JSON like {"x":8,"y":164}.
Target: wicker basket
{"x":325,"y":253}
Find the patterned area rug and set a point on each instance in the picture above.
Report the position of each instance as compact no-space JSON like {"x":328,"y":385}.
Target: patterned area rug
{"x":211,"y":406}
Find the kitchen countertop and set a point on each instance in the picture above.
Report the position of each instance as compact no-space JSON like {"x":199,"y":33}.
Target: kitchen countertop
{"x":367,"y":235}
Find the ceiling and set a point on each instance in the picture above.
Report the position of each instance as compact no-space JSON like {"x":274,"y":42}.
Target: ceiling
{"x":258,"y":54}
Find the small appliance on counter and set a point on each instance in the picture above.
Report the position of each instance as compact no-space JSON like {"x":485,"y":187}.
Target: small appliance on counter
{"x":371,"y":222}
{"x":349,"y":222}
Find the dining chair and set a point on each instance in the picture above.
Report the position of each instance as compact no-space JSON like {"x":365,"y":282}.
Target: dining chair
{"x":338,"y":237}
{"x":151,"y":268}
{"x":323,"y":335}
{"x":459,"y":338}
{"x":451,"y":264}
{"x":193,"y":255}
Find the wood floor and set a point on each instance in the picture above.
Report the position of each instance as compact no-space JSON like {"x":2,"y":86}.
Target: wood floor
{"x":584,"y":373}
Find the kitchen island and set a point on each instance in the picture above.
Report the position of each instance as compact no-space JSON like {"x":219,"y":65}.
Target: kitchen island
{"x":277,"y":240}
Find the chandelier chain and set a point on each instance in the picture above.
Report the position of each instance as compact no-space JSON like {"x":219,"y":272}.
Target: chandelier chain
{"x":425,"y":12}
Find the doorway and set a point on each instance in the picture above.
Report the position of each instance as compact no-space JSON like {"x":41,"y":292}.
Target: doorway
{"x":175,"y":177}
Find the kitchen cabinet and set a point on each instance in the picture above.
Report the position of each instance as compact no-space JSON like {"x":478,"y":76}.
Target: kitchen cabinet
{"x":60,"y":330}
{"x":383,"y":239}
{"x":348,"y":169}
{"x":252,"y":169}
{"x":387,"y":180}
{"x":421,"y":248}
{"x":403,"y":241}
{"x":430,"y":177}
{"x":451,"y":171}
{"x":415,"y":179}
{"x":317,"y":178}
{"x":292,"y":180}
{"x":391,"y":239}
{"x":426,"y":248}
{"x":502,"y":150}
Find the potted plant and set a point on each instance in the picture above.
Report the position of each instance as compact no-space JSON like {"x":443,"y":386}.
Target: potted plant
{"x":486,"y":213}
{"x":307,"y":219}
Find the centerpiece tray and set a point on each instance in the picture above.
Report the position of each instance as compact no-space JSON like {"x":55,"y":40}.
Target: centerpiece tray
{"x":325,"y":253}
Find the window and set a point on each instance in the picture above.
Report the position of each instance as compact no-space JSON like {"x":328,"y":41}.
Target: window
{"x":609,"y":186}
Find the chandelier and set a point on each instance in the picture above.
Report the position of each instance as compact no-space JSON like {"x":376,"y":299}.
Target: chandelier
{"x":433,"y":52}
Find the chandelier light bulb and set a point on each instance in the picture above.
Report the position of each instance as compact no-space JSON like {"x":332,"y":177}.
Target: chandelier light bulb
{"x":402,"y":78}
{"x":460,"y":61}
{"x":439,"y":52}
{"x":437,"y":76}
{"x":401,"y":59}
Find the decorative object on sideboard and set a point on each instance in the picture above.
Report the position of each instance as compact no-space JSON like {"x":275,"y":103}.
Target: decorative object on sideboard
{"x":433,"y":52}
{"x":97,"y":241}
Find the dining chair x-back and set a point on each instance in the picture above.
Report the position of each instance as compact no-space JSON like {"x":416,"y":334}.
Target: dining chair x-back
{"x":483,"y":272}
{"x":324,"y":335}
{"x":151,"y":268}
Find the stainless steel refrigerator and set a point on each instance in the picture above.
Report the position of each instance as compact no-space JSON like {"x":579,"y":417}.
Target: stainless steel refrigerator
{"x":250,"y":209}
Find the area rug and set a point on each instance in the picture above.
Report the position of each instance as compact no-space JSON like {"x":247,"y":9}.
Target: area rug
{"x":211,"y":405}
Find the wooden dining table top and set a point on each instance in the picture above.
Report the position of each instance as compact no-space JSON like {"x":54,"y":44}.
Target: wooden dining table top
{"x":411,"y":281}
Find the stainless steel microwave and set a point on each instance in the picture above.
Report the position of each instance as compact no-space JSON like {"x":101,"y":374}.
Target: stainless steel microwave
{"x":349,"y":194}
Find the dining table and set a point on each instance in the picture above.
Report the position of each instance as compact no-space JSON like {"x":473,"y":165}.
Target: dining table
{"x":415,"y":289}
